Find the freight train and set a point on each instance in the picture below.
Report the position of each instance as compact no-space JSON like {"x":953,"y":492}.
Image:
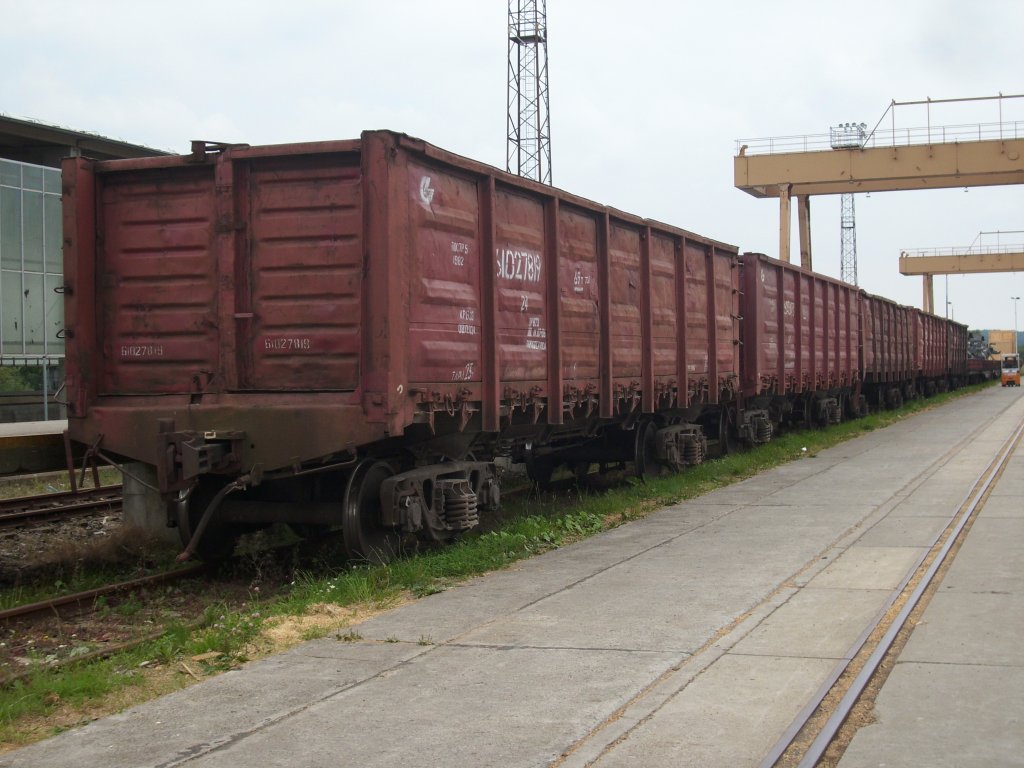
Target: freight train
{"x":361,"y":335}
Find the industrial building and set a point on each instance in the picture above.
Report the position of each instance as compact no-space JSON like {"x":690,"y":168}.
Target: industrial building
{"x":31,"y":305}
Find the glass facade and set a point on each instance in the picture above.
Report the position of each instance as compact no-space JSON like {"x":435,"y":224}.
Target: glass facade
{"x":31,"y":313}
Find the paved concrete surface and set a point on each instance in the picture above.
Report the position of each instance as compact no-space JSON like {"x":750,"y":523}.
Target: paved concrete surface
{"x":25,"y":428}
{"x":956,"y":694}
{"x":693,"y":637}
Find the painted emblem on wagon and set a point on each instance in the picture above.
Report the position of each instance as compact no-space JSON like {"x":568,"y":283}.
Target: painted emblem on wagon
{"x":426,"y":192}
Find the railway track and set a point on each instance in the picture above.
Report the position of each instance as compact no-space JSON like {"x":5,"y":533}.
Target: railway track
{"x":820,"y":724}
{"x":77,"y":612}
{"x":64,"y":607}
{"x":29,"y":510}
{"x":79,"y":599}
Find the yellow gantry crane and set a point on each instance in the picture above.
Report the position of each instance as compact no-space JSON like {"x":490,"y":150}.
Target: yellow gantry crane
{"x":888,"y":159}
{"x":971,"y":259}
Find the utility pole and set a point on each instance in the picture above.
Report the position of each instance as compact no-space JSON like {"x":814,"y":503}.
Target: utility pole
{"x":1016,"y":340}
{"x":529,"y":126}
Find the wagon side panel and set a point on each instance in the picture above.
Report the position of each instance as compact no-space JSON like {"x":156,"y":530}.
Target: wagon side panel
{"x":156,"y":281}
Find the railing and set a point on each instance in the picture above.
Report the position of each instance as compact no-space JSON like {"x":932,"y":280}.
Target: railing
{"x":973,"y":250}
{"x":900,"y":137}
{"x":1002,"y":130}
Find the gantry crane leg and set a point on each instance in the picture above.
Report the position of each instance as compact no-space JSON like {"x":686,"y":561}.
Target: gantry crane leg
{"x":784,"y":221}
{"x":803,"y":213}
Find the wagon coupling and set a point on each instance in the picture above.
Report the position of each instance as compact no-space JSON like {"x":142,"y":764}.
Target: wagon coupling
{"x":193,"y":545}
{"x":190,"y":455}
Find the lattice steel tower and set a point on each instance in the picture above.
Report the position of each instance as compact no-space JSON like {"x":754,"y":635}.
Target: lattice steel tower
{"x":848,"y":136}
{"x":529,"y":127}
{"x":847,"y":239}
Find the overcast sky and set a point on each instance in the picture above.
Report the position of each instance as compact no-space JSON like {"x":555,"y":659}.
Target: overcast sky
{"x":647,"y":98}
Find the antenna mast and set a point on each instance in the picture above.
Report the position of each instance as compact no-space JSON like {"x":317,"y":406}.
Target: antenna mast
{"x":529,"y":127}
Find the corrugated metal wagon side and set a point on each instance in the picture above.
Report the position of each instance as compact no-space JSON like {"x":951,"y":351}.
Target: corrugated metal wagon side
{"x":349,"y":334}
{"x":576,"y":331}
{"x":202,"y":288}
{"x":216,"y":318}
{"x":801,"y":339}
{"x":929,"y":345}
{"x":956,"y":349}
{"x":940,"y":353}
{"x":888,"y":360}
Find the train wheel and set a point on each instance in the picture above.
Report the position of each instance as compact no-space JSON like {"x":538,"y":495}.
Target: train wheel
{"x":645,"y":460}
{"x":843,"y":408}
{"x":365,"y":538}
{"x":580,"y":470}
{"x":219,"y":539}
{"x":809,"y":421}
{"x":728,"y":441}
{"x":851,"y":406}
{"x":539,"y":470}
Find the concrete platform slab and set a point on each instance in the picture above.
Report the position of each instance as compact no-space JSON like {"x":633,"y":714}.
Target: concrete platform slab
{"x":897,"y":530}
{"x":992,"y":558}
{"x":729,"y":716}
{"x":914,"y":506}
{"x":970,"y":628}
{"x":944,"y":716}
{"x":23,"y":428}
{"x":868,"y":568}
{"x":1003,"y":505}
{"x":513,"y":707}
{"x":815,"y":623}
{"x":942,"y":494}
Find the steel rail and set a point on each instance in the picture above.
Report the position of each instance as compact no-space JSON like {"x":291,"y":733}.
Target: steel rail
{"x":21,"y":510}
{"x":973,"y":499}
{"x":46,"y":606}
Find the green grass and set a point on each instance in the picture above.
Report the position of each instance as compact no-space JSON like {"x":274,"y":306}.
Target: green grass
{"x":44,"y":691}
{"x":53,"y":482}
{"x":539,"y":522}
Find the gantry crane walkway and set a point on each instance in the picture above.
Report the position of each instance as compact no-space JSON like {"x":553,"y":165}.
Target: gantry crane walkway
{"x":885,"y":159}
